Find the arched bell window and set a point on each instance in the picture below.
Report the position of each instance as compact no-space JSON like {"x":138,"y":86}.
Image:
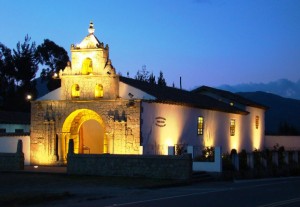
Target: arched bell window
{"x":75,"y":91}
{"x":98,"y":91}
{"x":87,"y":66}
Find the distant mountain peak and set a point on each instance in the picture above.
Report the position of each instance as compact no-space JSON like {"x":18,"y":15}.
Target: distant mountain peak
{"x":281,"y":87}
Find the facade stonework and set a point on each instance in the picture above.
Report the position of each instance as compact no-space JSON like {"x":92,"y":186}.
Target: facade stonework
{"x":50,"y":119}
{"x":86,"y":108}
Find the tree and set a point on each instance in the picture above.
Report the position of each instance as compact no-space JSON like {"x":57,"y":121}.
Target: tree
{"x":25,"y":62}
{"x":6,"y":69}
{"x":53,"y":58}
{"x":25,"y":68}
{"x":161,"y":80}
{"x":142,"y":75}
{"x":6,"y":76}
{"x":152,"y":79}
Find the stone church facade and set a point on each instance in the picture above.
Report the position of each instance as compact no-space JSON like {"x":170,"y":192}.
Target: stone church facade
{"x":89,"y":92}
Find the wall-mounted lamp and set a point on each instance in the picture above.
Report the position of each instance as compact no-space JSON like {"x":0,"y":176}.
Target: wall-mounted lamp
{"x":130,"y":95}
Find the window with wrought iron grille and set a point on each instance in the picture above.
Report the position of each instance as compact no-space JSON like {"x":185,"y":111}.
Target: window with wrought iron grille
{"x":232,"y":127}
{"x":200,"y":125}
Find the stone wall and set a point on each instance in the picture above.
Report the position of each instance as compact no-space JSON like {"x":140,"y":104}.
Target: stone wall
{"x":11,"y":161}
{"x":148,"y":166}
{"x":49,"y":137}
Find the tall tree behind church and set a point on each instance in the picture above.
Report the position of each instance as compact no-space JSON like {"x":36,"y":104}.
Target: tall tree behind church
{"x":161,"y":80}
{"x":25,"y":68}
{"x":7,"y":84}
{"x":52,"y":58}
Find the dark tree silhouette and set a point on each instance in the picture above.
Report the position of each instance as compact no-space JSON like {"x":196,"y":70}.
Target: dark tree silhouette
{"x":143,"y":74}
{"x":161,"y":80}
{"x":7,"y":82}
{"x":26,"y":64}
{"x":152,"y":79}
{"x":25,"y":68}
{"x":53,"y":58}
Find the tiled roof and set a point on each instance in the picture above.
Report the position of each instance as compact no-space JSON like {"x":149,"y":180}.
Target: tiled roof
{"x":12,"y":117}
{"x":229,"y":96}
{"x":177,"y":96}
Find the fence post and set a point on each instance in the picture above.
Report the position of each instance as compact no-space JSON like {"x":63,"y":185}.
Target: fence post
{"x":264,"y":162}
{"x":295,"y":157}
{"x":171,"y":150}
{"x":286,"y":157}
{"x":250,"y":160}
{"x":20,"y":147}
{"x":235,"y":162}
{"x":71,"y":146}
{"x":190,"y":150}
{"x":218,"y":158}
{"x":275,"y":158}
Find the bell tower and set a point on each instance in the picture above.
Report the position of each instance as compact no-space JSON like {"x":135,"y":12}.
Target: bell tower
{"x":90,"y":75}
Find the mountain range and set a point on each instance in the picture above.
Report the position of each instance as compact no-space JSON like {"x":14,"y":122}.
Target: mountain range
{"x":281,"y":87}
{"x":282,"y":97}
{"x":283,"y":114}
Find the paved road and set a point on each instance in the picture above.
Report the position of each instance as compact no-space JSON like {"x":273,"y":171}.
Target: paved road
{"x":262,"y":193}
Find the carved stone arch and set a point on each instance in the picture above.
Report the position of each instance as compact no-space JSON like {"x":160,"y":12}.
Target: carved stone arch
{"x":71,"y":130}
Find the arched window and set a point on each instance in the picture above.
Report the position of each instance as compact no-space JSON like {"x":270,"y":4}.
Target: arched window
{"x":87,"y":66}
{"x":98,"y":91}
{"x":75,"y":91}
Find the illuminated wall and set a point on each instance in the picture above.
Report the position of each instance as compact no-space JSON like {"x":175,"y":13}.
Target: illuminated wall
{"x":166,"y":125}
{"x":89,"y":85}
{"x":53,"y":123}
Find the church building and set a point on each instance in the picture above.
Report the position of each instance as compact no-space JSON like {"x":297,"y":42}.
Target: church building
{"x":107,"y":113}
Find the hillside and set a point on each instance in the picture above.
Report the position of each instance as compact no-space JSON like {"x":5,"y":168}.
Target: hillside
{"x":281,"y":87}
{"x":283,"y":115}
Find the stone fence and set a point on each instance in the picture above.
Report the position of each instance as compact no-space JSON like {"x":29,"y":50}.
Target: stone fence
{"x":13,"y":161}
{"x":148,"y":166}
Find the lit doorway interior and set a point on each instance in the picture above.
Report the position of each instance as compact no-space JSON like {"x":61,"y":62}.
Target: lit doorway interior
{"x":91,"y":137}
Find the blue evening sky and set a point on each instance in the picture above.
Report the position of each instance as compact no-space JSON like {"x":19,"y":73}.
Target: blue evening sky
{"x":206,"y":42}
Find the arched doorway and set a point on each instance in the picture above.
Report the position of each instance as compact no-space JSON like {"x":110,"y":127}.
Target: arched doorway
{"x":87,"y":129}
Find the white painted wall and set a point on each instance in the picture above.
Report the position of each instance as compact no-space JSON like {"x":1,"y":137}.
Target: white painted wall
{"x":289,"y":142}
{"x":10,"y":128}
{"x":181,"y":128}
{"x":215,"y":166}
{"x":9,"y":145}
{"x":124,"y":89}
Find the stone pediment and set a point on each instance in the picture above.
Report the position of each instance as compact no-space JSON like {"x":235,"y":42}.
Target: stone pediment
{"x":90,"y":41}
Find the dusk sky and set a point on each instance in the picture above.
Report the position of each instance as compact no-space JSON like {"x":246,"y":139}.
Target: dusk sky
{"x":206,"y":42}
